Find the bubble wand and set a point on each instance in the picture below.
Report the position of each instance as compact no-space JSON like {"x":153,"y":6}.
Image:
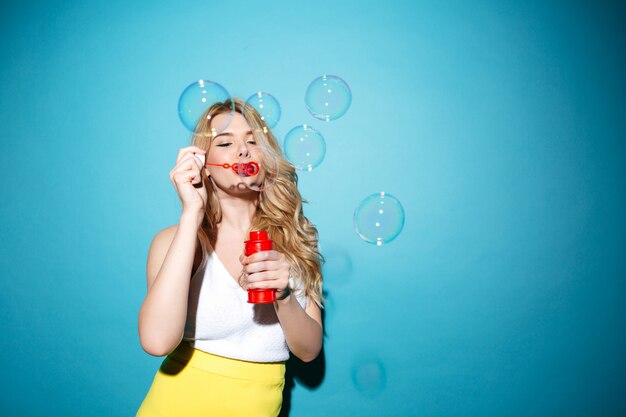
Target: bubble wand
{"x":245,"y":169}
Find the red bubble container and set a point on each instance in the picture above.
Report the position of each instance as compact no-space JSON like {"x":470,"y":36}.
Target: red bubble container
{"x":259,"y":242}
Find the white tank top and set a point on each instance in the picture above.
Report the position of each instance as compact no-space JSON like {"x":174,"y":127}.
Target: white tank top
{"x":221,"y":321}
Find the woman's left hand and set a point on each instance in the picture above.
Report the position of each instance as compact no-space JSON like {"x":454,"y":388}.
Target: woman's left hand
{"x":266,"y":269}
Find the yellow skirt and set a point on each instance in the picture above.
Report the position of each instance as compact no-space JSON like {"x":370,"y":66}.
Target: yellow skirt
{"x":192,"y":383}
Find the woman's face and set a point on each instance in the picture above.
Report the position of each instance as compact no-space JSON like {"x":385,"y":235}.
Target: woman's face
{"x":235,"y":145}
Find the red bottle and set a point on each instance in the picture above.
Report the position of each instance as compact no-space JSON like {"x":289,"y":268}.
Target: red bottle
{"x":259,"y":242}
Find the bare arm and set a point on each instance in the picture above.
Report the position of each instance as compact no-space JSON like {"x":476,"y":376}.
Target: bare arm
{"x":170,"y":260}
{"x":168,"y":272}
{"x":302,"y":328}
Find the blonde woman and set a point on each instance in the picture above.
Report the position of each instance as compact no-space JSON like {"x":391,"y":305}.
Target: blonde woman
{"x":225,"y":356}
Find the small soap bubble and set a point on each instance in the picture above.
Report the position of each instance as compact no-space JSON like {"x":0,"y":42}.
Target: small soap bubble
{"x":337,"y":268}
{"x":368,"y":376}
{"x":379,"y":218}
{"x":304,"y":147}
{"x":328,"y":97}
{"x":196,"y":99}
{"x":267,"y":106}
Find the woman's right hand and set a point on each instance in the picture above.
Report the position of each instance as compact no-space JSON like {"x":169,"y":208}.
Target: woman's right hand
{"x":187,"y":179}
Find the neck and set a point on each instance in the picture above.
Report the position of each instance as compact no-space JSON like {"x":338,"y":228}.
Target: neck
{"x":237,"y":211}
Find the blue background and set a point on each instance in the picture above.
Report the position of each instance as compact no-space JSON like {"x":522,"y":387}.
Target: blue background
{"x":499,"y":125}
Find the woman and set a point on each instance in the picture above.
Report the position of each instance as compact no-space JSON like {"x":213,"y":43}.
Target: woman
{"x":226,"y":357}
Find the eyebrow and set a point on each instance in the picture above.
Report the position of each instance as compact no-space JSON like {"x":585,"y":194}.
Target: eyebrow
{"x":249,"y":132}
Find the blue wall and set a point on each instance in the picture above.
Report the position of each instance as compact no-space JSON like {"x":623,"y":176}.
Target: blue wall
{"x":499,"y":126}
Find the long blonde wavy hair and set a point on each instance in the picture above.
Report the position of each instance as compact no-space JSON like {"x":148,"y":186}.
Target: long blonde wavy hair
{"x":279,"y":208}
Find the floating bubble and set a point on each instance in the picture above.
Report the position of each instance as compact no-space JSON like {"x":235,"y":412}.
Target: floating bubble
{"x":267,"y":106}
{"x":196,"y":99}
{"x":337,"y":267}
{"x":368,"y":375}
{"x":328,"y":97}
{"x":304,"y":147}
{"x":379,"y":218}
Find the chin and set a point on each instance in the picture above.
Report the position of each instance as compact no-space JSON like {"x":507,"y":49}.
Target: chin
{"x":241,"y":188}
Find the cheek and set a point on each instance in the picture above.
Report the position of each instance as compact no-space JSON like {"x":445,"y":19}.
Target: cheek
{"x":216,"y":157}
{"x":219,"y":172}
{"x":215,"y":171}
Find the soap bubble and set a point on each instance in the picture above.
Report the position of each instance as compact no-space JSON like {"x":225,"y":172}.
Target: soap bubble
{"x":337,"y":267}
{"x":195,"y":101}
{"x":267,"y":106}
{"x":379,"y":218}
{"x":328,"y":97}
{"x":304,"y":147}
{"x":368,"y":375}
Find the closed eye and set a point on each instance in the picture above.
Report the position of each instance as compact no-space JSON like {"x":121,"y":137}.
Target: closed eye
{"x":223,"y":145}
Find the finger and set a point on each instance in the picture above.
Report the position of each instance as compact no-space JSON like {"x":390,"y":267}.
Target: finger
{"x":184,"y":177}
{"x":196,"y":154}
{"x":266,"y":255}
{"x":243,"y":280}
{"x":187,"y":156}
{"x":275,"y":266}
{"x":188,"y":160}
{"x":188,"y":165}
{"x":261,"y":280}
{"x":189,"y":149}
{"x":280,"y":275}
{"x":257,"y":276}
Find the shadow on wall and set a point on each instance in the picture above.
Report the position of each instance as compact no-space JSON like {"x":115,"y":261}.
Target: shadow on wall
{"x":309,"y":374}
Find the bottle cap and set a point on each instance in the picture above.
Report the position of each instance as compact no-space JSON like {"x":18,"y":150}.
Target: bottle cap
{"x":258,"y":235}
{"x":258,"y":242}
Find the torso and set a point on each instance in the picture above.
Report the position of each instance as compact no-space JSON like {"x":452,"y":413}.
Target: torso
{"x":228,"y":251}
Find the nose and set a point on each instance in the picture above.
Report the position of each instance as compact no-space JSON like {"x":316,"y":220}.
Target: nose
{"x":243,"y":151}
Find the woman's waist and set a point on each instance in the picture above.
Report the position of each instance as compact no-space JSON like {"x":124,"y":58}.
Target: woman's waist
{"x":266,"y":372}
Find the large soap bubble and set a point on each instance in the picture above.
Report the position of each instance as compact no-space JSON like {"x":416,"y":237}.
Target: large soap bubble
{"x":267,"y":106}
{"x":196,"y":99}
{"x":304,"y":147}
{"x":328,"y":97}
{"x":379,"y":218}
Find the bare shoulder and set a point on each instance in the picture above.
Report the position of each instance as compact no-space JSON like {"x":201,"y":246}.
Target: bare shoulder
{"x":166,"y":234}
{"x":158,"y":249}
{"x":162,"y":241}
